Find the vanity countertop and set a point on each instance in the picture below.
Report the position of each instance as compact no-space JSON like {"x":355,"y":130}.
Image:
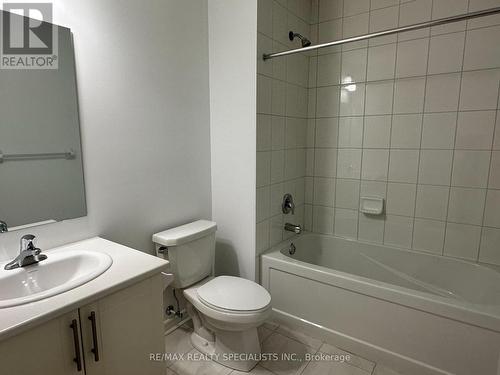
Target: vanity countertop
{"x":129,"y":267}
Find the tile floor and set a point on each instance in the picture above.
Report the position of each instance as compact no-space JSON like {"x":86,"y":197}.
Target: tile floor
{"x":276,"y":339}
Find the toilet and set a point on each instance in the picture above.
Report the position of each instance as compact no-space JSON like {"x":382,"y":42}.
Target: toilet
{"x":225,"y":310}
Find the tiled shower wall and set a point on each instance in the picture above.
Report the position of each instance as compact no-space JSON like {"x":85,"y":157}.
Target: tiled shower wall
{"x":282,"y":100}
{"x":410,"y":118}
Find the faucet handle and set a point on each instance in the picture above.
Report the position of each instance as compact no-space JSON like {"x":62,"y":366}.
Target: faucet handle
{"x":288,"y":206}
{"x":27,"y":242}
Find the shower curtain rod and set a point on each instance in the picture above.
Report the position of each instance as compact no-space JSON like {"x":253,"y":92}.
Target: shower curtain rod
{"x":418,"y":26}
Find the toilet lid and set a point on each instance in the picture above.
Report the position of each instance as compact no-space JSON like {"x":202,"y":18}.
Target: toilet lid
{"x":234,"y":293}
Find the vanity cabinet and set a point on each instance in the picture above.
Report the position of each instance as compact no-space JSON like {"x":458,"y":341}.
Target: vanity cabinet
{"x":113,"y":335}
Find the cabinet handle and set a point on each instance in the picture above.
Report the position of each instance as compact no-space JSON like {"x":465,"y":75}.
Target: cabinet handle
{"x":95,"y":349}
{"x":78,"y":356}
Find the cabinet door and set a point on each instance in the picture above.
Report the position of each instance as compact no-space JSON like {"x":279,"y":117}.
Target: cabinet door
{"x":121,"y":330}
{"x":48,"y":349}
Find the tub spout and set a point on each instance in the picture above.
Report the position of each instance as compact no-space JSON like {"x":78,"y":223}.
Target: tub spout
{"x":293,"y":228}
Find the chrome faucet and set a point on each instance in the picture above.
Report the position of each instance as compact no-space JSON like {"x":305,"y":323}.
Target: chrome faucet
{"x":287,"y":205}
{"x":28,"y":254}
{"x":297,"y":229}
{"x":3,"y":227}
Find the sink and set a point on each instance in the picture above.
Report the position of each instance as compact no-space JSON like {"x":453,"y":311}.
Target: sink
{"x":60,"y":272}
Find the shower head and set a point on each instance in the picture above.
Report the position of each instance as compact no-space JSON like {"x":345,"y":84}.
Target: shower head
{"x":305,"y":42}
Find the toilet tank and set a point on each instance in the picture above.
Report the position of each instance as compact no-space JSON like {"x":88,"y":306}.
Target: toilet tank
{"x":190,"y":249}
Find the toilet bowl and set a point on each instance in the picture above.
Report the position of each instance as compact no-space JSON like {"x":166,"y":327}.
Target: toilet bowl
{"x":226,"y":312}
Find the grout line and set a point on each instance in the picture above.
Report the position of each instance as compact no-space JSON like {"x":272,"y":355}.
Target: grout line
{"x":455,"y":140}
{"x":421,"y":135}
{"x":489,"y":176}
{"x":363,"y":129}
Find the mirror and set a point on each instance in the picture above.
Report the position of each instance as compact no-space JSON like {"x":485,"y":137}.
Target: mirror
{"x":41,"y":170}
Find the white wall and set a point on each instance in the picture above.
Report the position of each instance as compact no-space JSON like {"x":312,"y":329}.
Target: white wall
{"x":233,"y":42}
{"x":143,"y":90}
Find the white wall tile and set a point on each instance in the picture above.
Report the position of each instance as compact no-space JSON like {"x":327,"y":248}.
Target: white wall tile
{"x":496,"y":141}
{"x":328,"y":101}
{"x":277,"y":166}
{"x":330,"y":30}
{"x":442,"y":93}
{"x":264,"y":94}
{"x":280,"y":23}
{"x":428,"y":235}
{"x":448,"y":8}
{"x":263,"y":132}
{"x":403,"y":166}
{"x":329,"y":69}
{"x":263,"y":168}
{"x":398,"y":231}
{"x":466,"y":206}
{"x":352,"y":99}
{"x":439,"y":130}
{"x":406,"y":131}
{"x":471,"y":168}
{"x":330,"y":9}
{"x":401,"y":199}
{"x":432,"y":202}
{"x":349,"y":163}
{"x":324,"y":191}
{"x":446,"y":53}
{"x":381,"y":62}
{"x":327,"y":132}
{"x":278,"y":98}
{"x":375,"y":164}
{"x":354,"y":66}
{"x":346,"y":223}
{"x":492,"y":214}
{"x":353,"y":26}
{"x":377,"y":4}
{"x":377,"y":131}
{"x":415,"y":11}
{"x":494,"y":180}
{"x":263,"y":203}
{"x":373,"y":189}
{"x":276,"y":197}
{"x":379,"y":98}
{"x":276,"y":229}
{"x":325,"y":162}
{"x":350,"y":132}
{"x":265,"y":17}
{"x":371,"y":228}
{"x":480,"y":51}
{"x":355,"y":7}
{"x":412,"y":58}
{"x":462,"y":241}
{"x":435,"y":167}
{"x":479,"y":90}
{"x":347,"y":194}
{"x":490,"y":251}
{"x":475,"y":130}
{"x":264,"y":45}
{"x":409,"y":95}
{"x":262,"y":236}
{"x":279,"y":65}
{"x":323,"y":219}
{"x":277,"y":133}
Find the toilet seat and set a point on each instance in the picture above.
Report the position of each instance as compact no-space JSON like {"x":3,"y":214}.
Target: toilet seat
{"x":234,"y":294}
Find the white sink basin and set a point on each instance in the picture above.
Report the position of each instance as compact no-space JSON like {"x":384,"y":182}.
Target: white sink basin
{"x":60,"y":272}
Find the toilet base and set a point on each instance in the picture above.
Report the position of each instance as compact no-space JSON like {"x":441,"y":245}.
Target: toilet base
{"x":237,"y":350}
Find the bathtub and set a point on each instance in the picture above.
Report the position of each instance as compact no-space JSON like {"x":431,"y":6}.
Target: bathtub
{"x":417,"y":312}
